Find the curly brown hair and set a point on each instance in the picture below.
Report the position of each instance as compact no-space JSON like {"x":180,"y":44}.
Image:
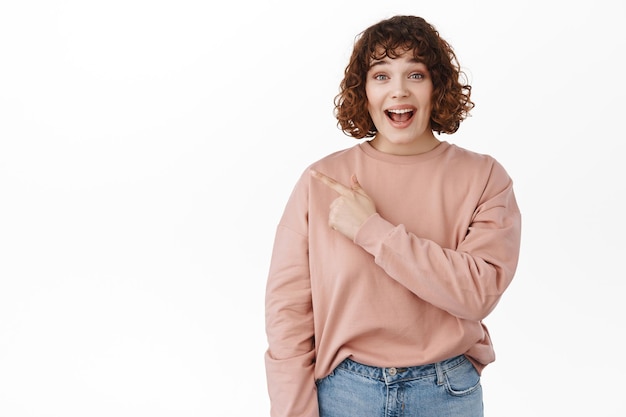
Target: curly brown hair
{"x":392,"y":37}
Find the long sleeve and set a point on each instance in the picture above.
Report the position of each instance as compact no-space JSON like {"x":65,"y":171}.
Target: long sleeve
{"x":290,"y":357}
{"x":467,"y":281}
{"x":414,"y":285}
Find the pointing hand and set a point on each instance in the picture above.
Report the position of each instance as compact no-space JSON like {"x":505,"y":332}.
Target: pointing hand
{"x":350,"y":210}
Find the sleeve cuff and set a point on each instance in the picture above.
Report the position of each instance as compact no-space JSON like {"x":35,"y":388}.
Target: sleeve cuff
{"x":373,"y":233}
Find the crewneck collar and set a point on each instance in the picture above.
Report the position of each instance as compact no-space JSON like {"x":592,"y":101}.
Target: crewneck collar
{"x":403,"y":159}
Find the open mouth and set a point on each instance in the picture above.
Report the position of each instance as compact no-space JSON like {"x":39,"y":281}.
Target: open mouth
{"x":399,"y":115}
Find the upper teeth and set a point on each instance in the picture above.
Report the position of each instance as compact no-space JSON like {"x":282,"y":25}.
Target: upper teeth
{"x":400,"y":111}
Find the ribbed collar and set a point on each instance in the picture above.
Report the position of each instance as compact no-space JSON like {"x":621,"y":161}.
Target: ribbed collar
{"x":403,"y":159}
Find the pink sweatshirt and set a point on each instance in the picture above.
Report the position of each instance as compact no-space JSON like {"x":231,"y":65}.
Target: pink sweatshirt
{"x":414,"y":285}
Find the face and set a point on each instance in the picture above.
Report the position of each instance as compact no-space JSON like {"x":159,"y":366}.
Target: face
{"x":399,"y":94}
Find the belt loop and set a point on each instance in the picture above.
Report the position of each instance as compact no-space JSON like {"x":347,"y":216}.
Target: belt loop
{"x":439,"y":371}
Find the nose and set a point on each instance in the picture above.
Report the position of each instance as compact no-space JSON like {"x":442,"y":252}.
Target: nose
{"x":399,"y":88}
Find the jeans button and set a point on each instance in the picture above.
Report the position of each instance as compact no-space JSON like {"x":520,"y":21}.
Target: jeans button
{"x":393,"y":371}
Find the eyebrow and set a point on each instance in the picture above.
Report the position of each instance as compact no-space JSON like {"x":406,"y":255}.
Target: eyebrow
{"x":384,"y":61}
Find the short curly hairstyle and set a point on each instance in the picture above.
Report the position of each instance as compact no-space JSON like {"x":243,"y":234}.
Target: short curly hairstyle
{"x":392,"y":37}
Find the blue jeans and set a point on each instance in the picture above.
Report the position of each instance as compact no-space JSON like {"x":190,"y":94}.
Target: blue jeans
{"x":450,"y":388}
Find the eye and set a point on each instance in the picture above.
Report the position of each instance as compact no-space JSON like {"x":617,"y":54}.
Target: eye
{"x":380,"y":77}
{"x":416,"y":76}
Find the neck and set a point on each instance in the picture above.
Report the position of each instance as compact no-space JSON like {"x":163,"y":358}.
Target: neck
{"x":415,"y":147}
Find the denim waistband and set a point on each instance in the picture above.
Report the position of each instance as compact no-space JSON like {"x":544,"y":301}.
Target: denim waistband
{"x":393,"y":374}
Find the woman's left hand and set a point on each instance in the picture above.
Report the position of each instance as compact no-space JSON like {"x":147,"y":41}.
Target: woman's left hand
{"x":350,"y":210}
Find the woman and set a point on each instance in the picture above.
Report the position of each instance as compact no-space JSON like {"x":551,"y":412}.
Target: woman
{"x":390,"y":253}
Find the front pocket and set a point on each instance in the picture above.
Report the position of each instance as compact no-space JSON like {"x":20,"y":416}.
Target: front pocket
{"x":462,"y":380}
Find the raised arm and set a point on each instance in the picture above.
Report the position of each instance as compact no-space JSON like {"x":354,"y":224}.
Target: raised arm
{"x":467,"y":281}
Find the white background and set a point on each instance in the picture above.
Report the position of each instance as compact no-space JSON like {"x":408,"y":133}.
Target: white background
{"x":147,"y":149}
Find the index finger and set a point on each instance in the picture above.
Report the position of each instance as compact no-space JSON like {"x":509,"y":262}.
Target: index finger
{"x":330,"y":182}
